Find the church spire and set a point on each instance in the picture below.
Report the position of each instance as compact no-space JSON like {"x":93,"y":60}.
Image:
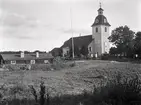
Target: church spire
{"x":100,"y":4}
{"x":100,"y":10}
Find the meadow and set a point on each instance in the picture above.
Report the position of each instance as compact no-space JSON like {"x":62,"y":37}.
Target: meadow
{"x":80,"y":76}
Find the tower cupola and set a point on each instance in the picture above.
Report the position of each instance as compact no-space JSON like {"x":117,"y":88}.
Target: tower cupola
{"x":100,"y":10}
{"x":100,"y":19}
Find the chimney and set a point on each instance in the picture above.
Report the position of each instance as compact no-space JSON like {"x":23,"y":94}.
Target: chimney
{"x":22,"y":54}
{"x":37,"y":54}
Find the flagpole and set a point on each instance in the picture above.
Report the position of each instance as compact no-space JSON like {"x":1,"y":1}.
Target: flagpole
{"x":72,"y":35}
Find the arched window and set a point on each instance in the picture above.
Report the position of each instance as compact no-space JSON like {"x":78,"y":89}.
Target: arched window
{"x":105,"y":29}
{"x":96,"y":29}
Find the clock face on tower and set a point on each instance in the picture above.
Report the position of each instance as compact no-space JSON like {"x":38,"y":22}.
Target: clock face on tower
{"x":96,"y":21}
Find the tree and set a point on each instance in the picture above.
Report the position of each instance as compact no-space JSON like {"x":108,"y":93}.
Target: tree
{"x":122,"y":38}
{"x":84,"y":51}
{"x":137,"y":45}
{"x":113,"y":51}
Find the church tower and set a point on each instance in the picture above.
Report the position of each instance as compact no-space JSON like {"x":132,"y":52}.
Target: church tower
{"x":100,"y":33}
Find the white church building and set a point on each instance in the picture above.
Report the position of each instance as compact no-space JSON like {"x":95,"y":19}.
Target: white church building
{"x":100,"y":34}
{"x":97,"y":43}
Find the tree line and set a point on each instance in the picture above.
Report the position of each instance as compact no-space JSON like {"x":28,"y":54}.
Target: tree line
{"x":126,"y":42}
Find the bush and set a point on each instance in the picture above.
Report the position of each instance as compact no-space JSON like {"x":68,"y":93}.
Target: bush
{"x":105,"y":57}
{"x":120,"y":92}
{"x":72,"y":64}
{"x":43,"y":67}
{"x":44,"y":97}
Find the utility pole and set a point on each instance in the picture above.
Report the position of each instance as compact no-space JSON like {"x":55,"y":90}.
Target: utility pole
{"x":72,"y":34}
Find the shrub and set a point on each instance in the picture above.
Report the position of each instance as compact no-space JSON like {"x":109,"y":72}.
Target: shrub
{"x":72,"y":64}
{"x":34,"y":93}
{"x":44,"y":97}
{"x":120,"y":92}
{"x":16,"y":91}
{"x":42,"y":93}
{"x":105,"y":57}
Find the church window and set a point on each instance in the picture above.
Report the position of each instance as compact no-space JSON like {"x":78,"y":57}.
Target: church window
{"x":90,"y":49}
{"x":46,"y":61}
{"x":96,"y":29}
{"x":32,"y":62}
{"x":105,"y":20}
{"x":13,"y":62}
{"x":96,"y":21}
{"x":105,"y":29}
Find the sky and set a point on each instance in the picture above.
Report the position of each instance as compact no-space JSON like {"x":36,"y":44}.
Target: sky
{"x":45,"y":24}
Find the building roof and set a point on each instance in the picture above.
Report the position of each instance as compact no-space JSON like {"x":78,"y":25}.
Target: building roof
{"x":100,"y":9}
{"x":78,"y":41}
{"x":101,"y":20}
{"x":26,"y":56}
{"x":55,"y":50}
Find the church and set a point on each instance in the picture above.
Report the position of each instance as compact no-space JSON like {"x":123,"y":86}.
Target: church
{"x":97,"y":43}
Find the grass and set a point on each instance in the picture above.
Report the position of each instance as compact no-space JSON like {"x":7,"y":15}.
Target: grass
{"x":67,"y":83}
{"x":118,"y":91}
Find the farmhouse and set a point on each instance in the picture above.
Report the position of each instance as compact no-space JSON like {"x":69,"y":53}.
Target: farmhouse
{"x":22,"y":58}
{"x":97,"y":42}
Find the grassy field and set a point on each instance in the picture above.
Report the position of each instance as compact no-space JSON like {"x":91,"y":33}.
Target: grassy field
{"x":72,"y":80}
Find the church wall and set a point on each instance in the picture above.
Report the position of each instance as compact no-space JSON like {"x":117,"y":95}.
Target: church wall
{"x":91,"y":53}
{"x":101,"y":44}
{"x":97,"y":43}
{"x":104,"y":39}
{"x":65,"y":51}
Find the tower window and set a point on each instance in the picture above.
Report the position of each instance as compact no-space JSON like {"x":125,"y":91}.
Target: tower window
{"x":105,"y":29}
{"x":96,"y":29}
{"x":105,"y":20}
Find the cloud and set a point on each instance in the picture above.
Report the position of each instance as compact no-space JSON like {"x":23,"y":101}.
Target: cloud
{"x":47,"y":0}
{"x":17,"y":20}
{"x":16,"y":32}
{"x":0,"y":12}
{"x":139,"y":11}
{"x":76,"y":31}
{"x":19,"y":26}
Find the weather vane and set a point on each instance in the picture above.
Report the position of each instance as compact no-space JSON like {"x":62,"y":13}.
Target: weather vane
{"x":100,"y":4}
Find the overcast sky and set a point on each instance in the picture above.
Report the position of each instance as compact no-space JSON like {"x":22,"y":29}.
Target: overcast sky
{"x":45,"y":24}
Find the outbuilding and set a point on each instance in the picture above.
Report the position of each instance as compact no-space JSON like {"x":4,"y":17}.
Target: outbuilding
{"x":30,"y":58}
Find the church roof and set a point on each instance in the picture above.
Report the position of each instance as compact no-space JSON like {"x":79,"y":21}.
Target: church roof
{"x":100,"y":9}
{"x":79,"y":41}
{"x":101,"y":20}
